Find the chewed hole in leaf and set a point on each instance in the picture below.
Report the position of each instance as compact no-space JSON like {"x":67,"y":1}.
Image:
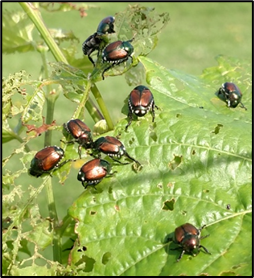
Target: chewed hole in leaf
{"x":153,"y":136}
{"x":106,"y":257}
{"x":175,"y":162}
{"x":89,"y":263}
{"x":184,"y":212}
{"x":92,"y":212}
{"x":159,"y":185}
{"x":131,"y":141}
{"x":82,"y":249}
{"x":217,"y":129}
{"x":169,"y":204}
{"x":170,"y":184}
{"x":228,"y":273}
{"x":110,"y":190}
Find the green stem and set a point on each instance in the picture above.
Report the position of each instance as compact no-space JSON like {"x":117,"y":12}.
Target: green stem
{"x":65,"y":223}
{"x":83,"y":101}
{"x":27,"y":149}
{"x":49,"y":119}
{"x":51,"y":97}
{"x":102,"y":106}
{"x":34,"y":15}
{"x":93,"y":110}
{"x":53,"y":216}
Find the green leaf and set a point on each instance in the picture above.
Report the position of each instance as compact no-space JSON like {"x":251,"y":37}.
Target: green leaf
{"x":60,"y":35}
{"x":195,"y":161}
{"x":40,"y":234}
{"x":231,"y":70}
{"x":7,"y":133}
{"x":143,"y":25}
{"x":72,"y":80}
{"x":135,"y":75}
{"x":21,"y":41}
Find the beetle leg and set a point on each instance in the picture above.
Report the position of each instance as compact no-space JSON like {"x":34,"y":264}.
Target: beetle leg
{"x":130,"y":120}
{"x":79,"y":150}
{"x":95,"y":154}
{"x":64,"y":162}
{"x":69,"y":142}
{"x":118,"y":161}
{"x":179,"y":258}
{"x":90,"y":58}
{"x":204,"y":236}
{"x":201,"y":246}
{"x":202,"y":227}
{"x":105,"y":70}
{"x":153,"y":114}
{"x":126,"y":154}
{"x":243,"y":106}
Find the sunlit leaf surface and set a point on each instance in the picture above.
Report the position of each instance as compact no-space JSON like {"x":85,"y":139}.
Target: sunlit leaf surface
{"x":197,"y":168}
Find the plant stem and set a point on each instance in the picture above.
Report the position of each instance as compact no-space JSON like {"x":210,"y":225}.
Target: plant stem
{"x":51,"y":97}
{"x":102,"y":105}
{"x":35,"y":16}
{"x":53,"y":216}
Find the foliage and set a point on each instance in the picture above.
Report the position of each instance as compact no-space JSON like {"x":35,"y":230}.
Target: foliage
{"x":196,"y":160}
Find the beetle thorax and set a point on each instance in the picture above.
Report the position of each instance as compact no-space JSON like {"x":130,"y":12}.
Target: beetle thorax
{"x":190,"y":243}
{"x":139,"y":110}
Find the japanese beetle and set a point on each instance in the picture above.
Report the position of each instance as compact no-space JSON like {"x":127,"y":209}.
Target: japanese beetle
{"x":96,"y":40}
{"x":112,"y":147}
{"x":232,"y":94}
{"x":80,"y":132}
{"x":140,"y":102}
{"x":46,"y":160}
{"x":91,"y":44}
{"x":93,"y":171}
{"x":116,"y":53}
{"x":188,"y":237}
{"x":106,"y":26}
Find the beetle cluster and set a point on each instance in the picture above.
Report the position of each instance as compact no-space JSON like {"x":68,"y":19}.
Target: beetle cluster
{"x":140,"y":102}
{"x":114,"y":53}
{"x":93,"y":171}
{"x":97,"y":40}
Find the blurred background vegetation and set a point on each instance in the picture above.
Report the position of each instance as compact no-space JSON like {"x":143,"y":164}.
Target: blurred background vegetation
{"x":194,"y":36}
